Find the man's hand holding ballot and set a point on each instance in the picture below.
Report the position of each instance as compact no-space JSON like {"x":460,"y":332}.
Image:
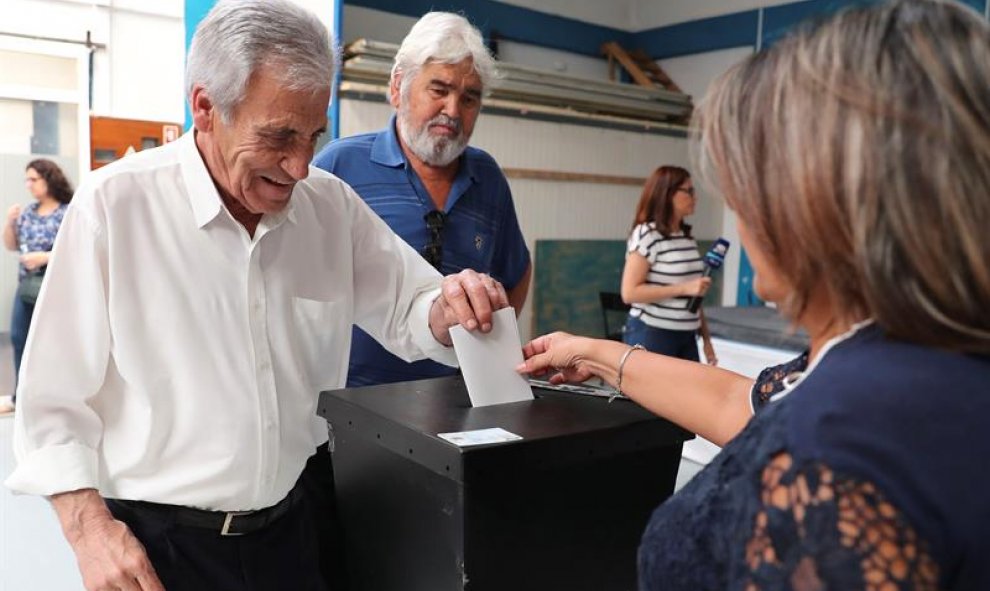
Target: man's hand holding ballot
{"x":468,"y":299}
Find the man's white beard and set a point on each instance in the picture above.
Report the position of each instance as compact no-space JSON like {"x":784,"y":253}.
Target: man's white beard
{"x":433,"y":150}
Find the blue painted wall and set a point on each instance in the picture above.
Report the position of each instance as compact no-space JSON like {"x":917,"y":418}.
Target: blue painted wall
{"x":194,"y":12}
{"x":700,"y":36}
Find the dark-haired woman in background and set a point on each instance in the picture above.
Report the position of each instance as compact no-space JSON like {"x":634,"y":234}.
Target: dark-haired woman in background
{"x":31,"y":231}
{"x":663,"y":270}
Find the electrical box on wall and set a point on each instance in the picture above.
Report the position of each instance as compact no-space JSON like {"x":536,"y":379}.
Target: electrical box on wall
{"x":112,"y":138}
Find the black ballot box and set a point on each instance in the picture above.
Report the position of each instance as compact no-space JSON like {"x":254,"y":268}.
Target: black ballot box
{"x":563,"y":508}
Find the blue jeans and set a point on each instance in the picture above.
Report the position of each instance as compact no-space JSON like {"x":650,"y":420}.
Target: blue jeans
{"x":20,"y":322}
{"x":673,"y":343}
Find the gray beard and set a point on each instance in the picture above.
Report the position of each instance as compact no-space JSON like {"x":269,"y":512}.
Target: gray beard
{"x":435,"y":151}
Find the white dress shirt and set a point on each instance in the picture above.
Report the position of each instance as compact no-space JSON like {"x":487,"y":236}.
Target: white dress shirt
{"x":174,"y":359}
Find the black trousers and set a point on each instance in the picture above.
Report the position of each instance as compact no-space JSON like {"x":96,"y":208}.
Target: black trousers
{"x":302,"y":551}
{"x":318,"y":485}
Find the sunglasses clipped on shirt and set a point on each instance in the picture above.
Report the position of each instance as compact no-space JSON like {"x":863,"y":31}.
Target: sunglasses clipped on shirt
{"x":433,"y":251}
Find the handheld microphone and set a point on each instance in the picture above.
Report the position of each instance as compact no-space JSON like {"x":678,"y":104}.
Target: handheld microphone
{"x":713,"y":260}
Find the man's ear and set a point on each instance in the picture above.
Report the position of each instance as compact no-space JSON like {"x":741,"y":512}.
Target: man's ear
{"x":393,"y":89}
{"x":202,"y":109}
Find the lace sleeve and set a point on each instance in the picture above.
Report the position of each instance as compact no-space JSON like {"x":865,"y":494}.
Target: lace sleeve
{"x":815,"y":530}
{"x":774,"y":380}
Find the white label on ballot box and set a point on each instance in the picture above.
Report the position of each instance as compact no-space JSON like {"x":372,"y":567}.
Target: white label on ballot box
{"x":479,"y":437}
{"x":488,"y":361}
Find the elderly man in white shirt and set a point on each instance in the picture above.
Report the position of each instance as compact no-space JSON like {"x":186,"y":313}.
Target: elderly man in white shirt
{"x":200,"y":295}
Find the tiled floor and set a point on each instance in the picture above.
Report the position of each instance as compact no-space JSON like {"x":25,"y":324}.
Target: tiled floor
{"x":33,"y":554}
{"x":6,"y":365}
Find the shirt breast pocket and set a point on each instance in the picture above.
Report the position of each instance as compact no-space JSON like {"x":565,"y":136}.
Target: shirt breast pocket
{"x":474,"y":248}
{"x":322,"y":340}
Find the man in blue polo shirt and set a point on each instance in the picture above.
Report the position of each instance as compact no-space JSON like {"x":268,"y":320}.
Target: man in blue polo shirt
{"x":449,"y":201}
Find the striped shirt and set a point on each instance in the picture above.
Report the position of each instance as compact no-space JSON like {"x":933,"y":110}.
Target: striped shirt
{"x":674,"y":259}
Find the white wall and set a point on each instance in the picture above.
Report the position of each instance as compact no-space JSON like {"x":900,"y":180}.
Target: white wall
{"x":563,"y":210}
{"x":139,"y":73}
{"x":144,"y":83}
{"x":693,"y":73}
{"x":554,"y":60}
{"x":368,"y":23}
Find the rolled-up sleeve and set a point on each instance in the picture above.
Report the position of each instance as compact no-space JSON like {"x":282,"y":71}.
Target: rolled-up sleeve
{"x":56,"y":432}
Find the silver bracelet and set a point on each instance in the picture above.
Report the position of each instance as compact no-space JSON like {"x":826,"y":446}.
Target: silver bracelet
{"x":622,"y":363}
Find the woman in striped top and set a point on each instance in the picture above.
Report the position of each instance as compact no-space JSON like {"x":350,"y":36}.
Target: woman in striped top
{"x":664,"y":270}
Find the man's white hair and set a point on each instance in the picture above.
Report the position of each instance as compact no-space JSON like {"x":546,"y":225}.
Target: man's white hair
{"x":239,"y":36}
{"x":444,"y":38}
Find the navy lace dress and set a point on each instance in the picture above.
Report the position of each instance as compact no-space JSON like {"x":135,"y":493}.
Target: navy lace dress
{"x":868,"y":474}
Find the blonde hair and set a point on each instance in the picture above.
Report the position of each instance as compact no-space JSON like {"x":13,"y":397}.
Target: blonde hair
{"x":857,"y":153}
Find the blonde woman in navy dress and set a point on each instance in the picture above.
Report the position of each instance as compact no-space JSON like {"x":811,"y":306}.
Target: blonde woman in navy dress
{"x":855,"y":155}
{"x":663,"y":270}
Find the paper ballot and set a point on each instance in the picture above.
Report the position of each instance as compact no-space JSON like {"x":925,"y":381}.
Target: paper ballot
{"x":488,"y":361}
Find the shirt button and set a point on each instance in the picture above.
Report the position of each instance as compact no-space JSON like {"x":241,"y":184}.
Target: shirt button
{"x":265,"y":366}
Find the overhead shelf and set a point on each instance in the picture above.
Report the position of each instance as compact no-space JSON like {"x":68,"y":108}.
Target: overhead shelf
{"x":370,"y":62}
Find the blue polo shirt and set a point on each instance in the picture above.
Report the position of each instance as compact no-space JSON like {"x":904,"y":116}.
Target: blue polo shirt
{"x":480,"y":232}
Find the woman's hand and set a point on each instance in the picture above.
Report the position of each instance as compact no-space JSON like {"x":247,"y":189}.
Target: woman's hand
{"x":557,"y":352}
{"x":13,"y":213}
{"x":33,"y":261}
{"x":695,"y":287}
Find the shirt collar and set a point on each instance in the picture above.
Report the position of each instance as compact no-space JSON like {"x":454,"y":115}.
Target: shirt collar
{"x":203,"y":195}
{"x":386,"y":149}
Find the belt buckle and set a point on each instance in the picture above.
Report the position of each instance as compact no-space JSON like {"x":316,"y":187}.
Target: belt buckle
{"x":225,"y":530}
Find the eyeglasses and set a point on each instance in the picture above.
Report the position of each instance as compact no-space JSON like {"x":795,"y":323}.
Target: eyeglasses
{"x":433,"y":252}
{"x":688,"y":190}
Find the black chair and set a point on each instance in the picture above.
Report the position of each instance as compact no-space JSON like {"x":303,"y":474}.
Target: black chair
{"x":612,"y":305}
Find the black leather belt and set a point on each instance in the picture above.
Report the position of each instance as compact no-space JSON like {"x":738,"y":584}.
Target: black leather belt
{"x":226,"y":523}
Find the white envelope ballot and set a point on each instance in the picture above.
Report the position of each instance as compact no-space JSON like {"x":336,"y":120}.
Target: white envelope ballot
{"x":488,"y":361}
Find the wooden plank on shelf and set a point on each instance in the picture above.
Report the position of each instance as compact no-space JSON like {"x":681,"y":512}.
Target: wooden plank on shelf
{"x":611,"y":48}
{"x":572,"y":177}
{"x":653,"y":69}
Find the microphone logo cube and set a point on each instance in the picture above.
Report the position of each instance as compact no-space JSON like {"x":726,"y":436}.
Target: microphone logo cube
{"x":716,"y":254}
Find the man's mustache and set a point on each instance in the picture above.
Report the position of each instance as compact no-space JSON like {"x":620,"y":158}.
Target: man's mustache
{"x":447,"y":121}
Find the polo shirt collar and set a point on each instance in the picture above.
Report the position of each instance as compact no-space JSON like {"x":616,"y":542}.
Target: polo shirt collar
{"x":202,"y":192}
{"x":386,"y":149}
